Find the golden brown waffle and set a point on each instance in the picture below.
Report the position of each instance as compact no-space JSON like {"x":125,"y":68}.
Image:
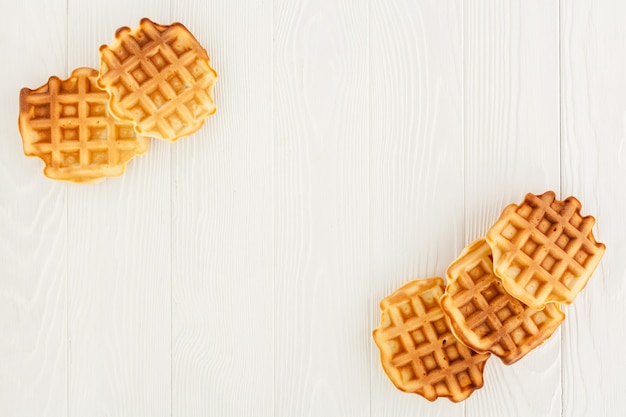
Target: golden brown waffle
{"x":418,"y":351}
{"x":485,"y":317}
{"x":544,"y":250}
{"x":67,"y":124}
{"x":159,"y":78}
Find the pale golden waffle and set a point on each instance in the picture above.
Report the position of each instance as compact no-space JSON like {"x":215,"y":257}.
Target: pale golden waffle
{"x":159,"y":78}
{"x":418,"y":351}
{"x":485,"y":317}
{"x":66,"y":123}
{"x":544,"y":250}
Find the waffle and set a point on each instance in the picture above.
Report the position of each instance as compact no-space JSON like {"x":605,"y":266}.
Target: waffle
{"x":544,"y":250}
{"x":66,"y":123}
{"x":417,"y":349}
{"x":158,"y":78}
{"x":485,"y":317}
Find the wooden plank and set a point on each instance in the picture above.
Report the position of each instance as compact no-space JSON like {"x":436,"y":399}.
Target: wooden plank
{"x":512,"y":147}
{"x":416,"y":175}
{"x":222,"y":223}
{"x":593,"y":123}
{"x":33,"y":220}
{"x":321,"y":211}
{"x":119,"y":249}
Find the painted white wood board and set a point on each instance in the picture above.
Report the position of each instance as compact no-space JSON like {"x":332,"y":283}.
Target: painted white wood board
{"x":33,"y":223}
{"x":357,"y":145}
{"x":222,"y":230}
{"x":119,"y":262}
{"x":511,"y":109}
{"x":416,"y":163}
{"x":593,"y":125}
{"x":321,"y":154}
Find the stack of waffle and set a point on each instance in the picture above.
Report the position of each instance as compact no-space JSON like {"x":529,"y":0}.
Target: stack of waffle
{"x":154,"y":81}
{"x":502,"y":297}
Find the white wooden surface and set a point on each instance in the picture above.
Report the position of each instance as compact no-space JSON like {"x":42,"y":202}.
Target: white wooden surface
{"x":358,"y":144}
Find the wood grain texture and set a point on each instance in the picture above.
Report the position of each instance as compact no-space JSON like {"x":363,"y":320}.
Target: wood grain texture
{"x":416,"y":175}
{"x":119,"y":250}
{"x":222,"y":237}
{"x":593,"y":101}
{"x":321,"y":213}
{"x":512,"y":147}
{"x":33,"y":224}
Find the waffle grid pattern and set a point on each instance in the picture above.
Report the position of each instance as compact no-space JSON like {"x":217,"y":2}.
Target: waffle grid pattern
{"x":67,"y":125}
{"x":418,"y":350}
{"x":159,"y":78}
{"x":544,"y":249}
{"x":485,"y":317}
